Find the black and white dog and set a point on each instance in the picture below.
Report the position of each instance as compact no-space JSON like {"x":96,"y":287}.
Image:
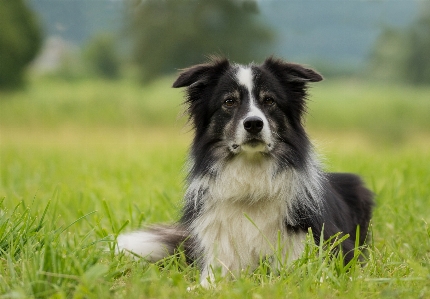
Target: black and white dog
{"x":254,"y":186}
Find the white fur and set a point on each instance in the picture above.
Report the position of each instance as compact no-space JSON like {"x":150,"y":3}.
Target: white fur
{"x":244,"y":212}
{"x":144,"y":244}
{"x":245,"y":78}
{"x":234,"y":236}
{"x":249,"y":178}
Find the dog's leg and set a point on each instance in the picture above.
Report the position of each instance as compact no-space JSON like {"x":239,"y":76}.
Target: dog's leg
{"x":288,"y":250}
{"x":207,"y":278}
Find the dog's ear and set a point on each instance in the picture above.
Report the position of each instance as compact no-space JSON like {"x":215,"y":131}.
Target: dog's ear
{"x":291,"y":72}
{"x":201,"y":73}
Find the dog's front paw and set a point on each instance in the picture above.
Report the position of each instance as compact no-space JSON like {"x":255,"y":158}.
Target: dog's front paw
{"x":205,"y":284}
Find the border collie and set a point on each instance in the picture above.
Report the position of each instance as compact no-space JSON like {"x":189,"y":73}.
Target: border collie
{"x":255,"y":185}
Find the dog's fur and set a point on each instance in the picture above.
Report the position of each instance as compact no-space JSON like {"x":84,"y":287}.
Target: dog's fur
{"x":254,"y":186}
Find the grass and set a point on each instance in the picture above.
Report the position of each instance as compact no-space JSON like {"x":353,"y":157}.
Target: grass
{"x":80,"y":163}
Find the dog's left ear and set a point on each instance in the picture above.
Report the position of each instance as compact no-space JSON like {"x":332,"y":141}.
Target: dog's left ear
{"x":291,"y":72}
{"x":201,"y":73}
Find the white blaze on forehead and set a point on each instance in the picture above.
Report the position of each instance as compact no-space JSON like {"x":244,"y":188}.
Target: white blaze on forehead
{"x":244,"y":77}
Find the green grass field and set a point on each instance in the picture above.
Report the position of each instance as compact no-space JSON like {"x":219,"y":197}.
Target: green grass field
{"x":81,"y":161}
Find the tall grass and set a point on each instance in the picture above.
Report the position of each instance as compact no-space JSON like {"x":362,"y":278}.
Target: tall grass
{"x":81,"y":163}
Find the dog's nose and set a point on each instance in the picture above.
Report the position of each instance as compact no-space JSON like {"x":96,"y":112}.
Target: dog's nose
{"x":253,"y":124}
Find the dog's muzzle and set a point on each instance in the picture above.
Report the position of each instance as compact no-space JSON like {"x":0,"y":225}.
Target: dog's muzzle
{"x":252,"y":136}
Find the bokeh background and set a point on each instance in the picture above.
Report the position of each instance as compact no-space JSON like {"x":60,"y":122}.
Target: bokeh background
{"x":80,"y":73}
{"x":107,"y":62}
{"x":79,"y":76}
{"x":93,"y":138}
{"x":384,"y":39}
{"x":75,"y":39}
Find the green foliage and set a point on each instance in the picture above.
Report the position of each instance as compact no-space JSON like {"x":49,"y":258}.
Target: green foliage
{"x":403,"y":54}
{"x":41,"y":261}
{"x":102,"y":56}
{"x":173,"y":34}
{"x":20,"y":39}
{"x":418,"y":41}
{"x":389,"y":56}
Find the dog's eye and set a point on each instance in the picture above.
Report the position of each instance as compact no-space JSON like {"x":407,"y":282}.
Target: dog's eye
{"x":230,"y":102}
{"x":268,"y":101}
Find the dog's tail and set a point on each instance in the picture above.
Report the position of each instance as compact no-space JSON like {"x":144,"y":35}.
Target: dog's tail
{"x":154,"y":243}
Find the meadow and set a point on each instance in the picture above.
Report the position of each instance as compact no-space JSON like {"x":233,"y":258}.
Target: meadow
{"x":82,"y":161}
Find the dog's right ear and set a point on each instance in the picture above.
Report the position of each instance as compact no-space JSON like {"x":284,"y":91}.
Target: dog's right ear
{"x":201,"y":73}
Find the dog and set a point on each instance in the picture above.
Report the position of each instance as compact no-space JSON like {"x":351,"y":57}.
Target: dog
{"x":255,"y":185}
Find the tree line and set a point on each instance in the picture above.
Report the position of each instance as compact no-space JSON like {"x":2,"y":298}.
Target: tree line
{"x":404,"y":54}
{"x":163,"y":36}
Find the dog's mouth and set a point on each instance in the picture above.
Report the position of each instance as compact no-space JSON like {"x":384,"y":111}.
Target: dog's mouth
{"x":254,"y":142}
{"x":251,"y":145}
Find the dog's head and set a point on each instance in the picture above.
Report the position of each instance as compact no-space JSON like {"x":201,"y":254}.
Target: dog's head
{"x":253,"y":110}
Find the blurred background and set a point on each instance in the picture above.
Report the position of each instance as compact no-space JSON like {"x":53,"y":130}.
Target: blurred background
{"x":91,"y":128}
{"x":77,"y":38}
{"x":110,"y":63}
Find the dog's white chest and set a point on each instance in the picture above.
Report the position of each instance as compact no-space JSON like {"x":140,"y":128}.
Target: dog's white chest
{"x":243,"y":218}
{"x":251,"y":181}
{"x":234,"y":236}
